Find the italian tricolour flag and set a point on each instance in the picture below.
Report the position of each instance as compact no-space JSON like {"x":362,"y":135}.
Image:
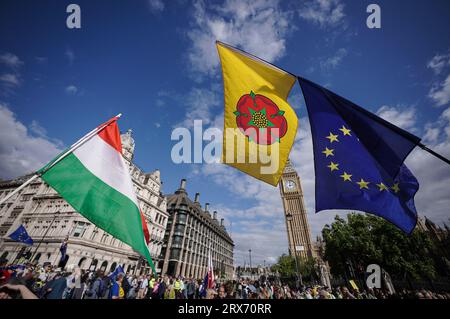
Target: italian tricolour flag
{"x":94,"y":179}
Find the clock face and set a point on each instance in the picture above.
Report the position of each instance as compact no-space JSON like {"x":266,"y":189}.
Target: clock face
{"x":290,"y":184}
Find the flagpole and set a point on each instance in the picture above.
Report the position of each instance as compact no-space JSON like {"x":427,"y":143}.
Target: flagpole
{"x":45,"y":234}
{"x":72,"y":148}
{"x":442,"y":158}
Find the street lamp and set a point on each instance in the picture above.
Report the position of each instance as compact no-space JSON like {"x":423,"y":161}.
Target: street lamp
{"x":299,"y":276}
{"x":250,"y":255}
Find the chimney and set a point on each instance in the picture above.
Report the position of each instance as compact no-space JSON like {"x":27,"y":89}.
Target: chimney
{"x":221,"y":222}
{"x":206,"y":207}
{"x":215,"y":215}
{"x":197,"y":198}
{"x":183,"y":184}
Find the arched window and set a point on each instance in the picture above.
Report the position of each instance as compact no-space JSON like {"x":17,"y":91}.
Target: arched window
{"x":81,"y":262}
{"x":113,"y":266}
{"x":104,"y":265}
{"x":93,"y":264}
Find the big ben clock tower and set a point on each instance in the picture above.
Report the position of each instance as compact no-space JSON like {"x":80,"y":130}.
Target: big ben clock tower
{"x":299,"y":235}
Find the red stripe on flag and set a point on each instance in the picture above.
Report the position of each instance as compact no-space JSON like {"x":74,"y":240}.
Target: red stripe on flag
{"x":111,"y":135}
{"x":145,"y":228}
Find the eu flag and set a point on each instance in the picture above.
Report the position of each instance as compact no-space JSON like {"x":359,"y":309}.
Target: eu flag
{"x":21,"y":235}
{"x":358,"y":159}
{"x":118,"y":270}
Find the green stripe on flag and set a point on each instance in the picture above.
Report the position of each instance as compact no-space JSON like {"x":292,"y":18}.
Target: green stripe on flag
{"x":104,"y":206}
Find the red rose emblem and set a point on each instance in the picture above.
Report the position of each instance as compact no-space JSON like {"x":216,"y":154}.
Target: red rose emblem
{"x":260,"y":119}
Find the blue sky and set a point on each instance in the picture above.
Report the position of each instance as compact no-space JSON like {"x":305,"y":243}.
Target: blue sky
{"x":155,"y":61}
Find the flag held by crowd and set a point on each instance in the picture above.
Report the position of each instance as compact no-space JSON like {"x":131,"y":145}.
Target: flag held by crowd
{"x":118,"y":270}
{"x":208,"y":281}
{"x":20,"y":234}
{"x":94,"y":179}
{"x":358,"y":159}
{"x":256,"y":109}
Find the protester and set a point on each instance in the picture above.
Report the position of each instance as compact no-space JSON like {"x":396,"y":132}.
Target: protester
{"x":117,"y":291}
{"x":143,"y":283}
{"x":33,"y":281}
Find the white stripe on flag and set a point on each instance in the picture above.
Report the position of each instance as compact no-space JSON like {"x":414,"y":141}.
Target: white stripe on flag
{"x":102,"y":160}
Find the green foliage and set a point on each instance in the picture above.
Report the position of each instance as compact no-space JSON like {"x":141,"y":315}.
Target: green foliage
{"x":286,"y":266}
{"x":367,"y":239}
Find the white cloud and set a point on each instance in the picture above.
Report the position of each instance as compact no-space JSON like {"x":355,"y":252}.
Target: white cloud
{"x":157,"y":125}
{"x":71,"y":90}
{"x":37,"y":129}
{"x":41,"y":59}
{"x":439,"y":62}
{"x":257,"y":26}
{"x":295,"y":100}
{"x":431,"y":134}
{"x":325,"y":13}
{"x":334,"y":61}
{"x":433,"y":197}
{"x":10,"y":80}
{"x":156,"y":6}
{"x":200,"y":104}
{"x":440,"y":93}
{"x":70,"y":55}
{"x":20,"y":151}
{"x":10,"y":60}
{"x":403,"y":117}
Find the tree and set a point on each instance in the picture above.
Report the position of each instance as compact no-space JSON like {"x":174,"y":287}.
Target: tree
{"x":286,"y":267}
{"x":352,"y":244}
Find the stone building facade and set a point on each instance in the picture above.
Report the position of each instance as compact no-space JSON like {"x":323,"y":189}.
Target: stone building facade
{"x":191,"y":232}
{"x":49,"y":219}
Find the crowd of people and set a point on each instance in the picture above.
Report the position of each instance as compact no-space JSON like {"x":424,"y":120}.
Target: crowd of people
{"x":47,"y":282}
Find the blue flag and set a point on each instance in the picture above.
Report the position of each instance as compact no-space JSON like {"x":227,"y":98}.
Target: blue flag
{"x":21,"y":235}
{"x":358,"y":159}
{"x":204,"y":286}
{"x":117,"y":271}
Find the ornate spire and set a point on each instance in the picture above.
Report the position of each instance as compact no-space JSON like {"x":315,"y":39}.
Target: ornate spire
{"x":289,"y":168}
{"x":128,"y":144}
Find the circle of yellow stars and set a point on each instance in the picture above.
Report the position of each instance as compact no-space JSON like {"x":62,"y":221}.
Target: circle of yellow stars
{"x":347,"y":177}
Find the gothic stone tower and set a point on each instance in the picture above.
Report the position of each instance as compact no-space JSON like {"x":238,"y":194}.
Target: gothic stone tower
{"x":299,"y":235}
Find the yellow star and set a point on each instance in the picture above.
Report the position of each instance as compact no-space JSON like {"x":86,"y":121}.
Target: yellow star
{"x":395,"y":188}
{"x":328,"y":152}
{"x":382,"y":187}
{"x":345,"y":130}
{"x":363,"y":184}
{"x":333,"y":166}
{"x":332,"y":138}
{"x":347,"y":177}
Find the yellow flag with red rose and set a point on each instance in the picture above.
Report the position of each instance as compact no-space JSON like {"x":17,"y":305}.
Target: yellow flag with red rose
{"x":259,"y":124}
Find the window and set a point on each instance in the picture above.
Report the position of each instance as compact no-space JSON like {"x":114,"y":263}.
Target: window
{"x":179,"y":229}
{"x":94,"y":233}
{"x":80,"y":229}
{"x":25,"y":198}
